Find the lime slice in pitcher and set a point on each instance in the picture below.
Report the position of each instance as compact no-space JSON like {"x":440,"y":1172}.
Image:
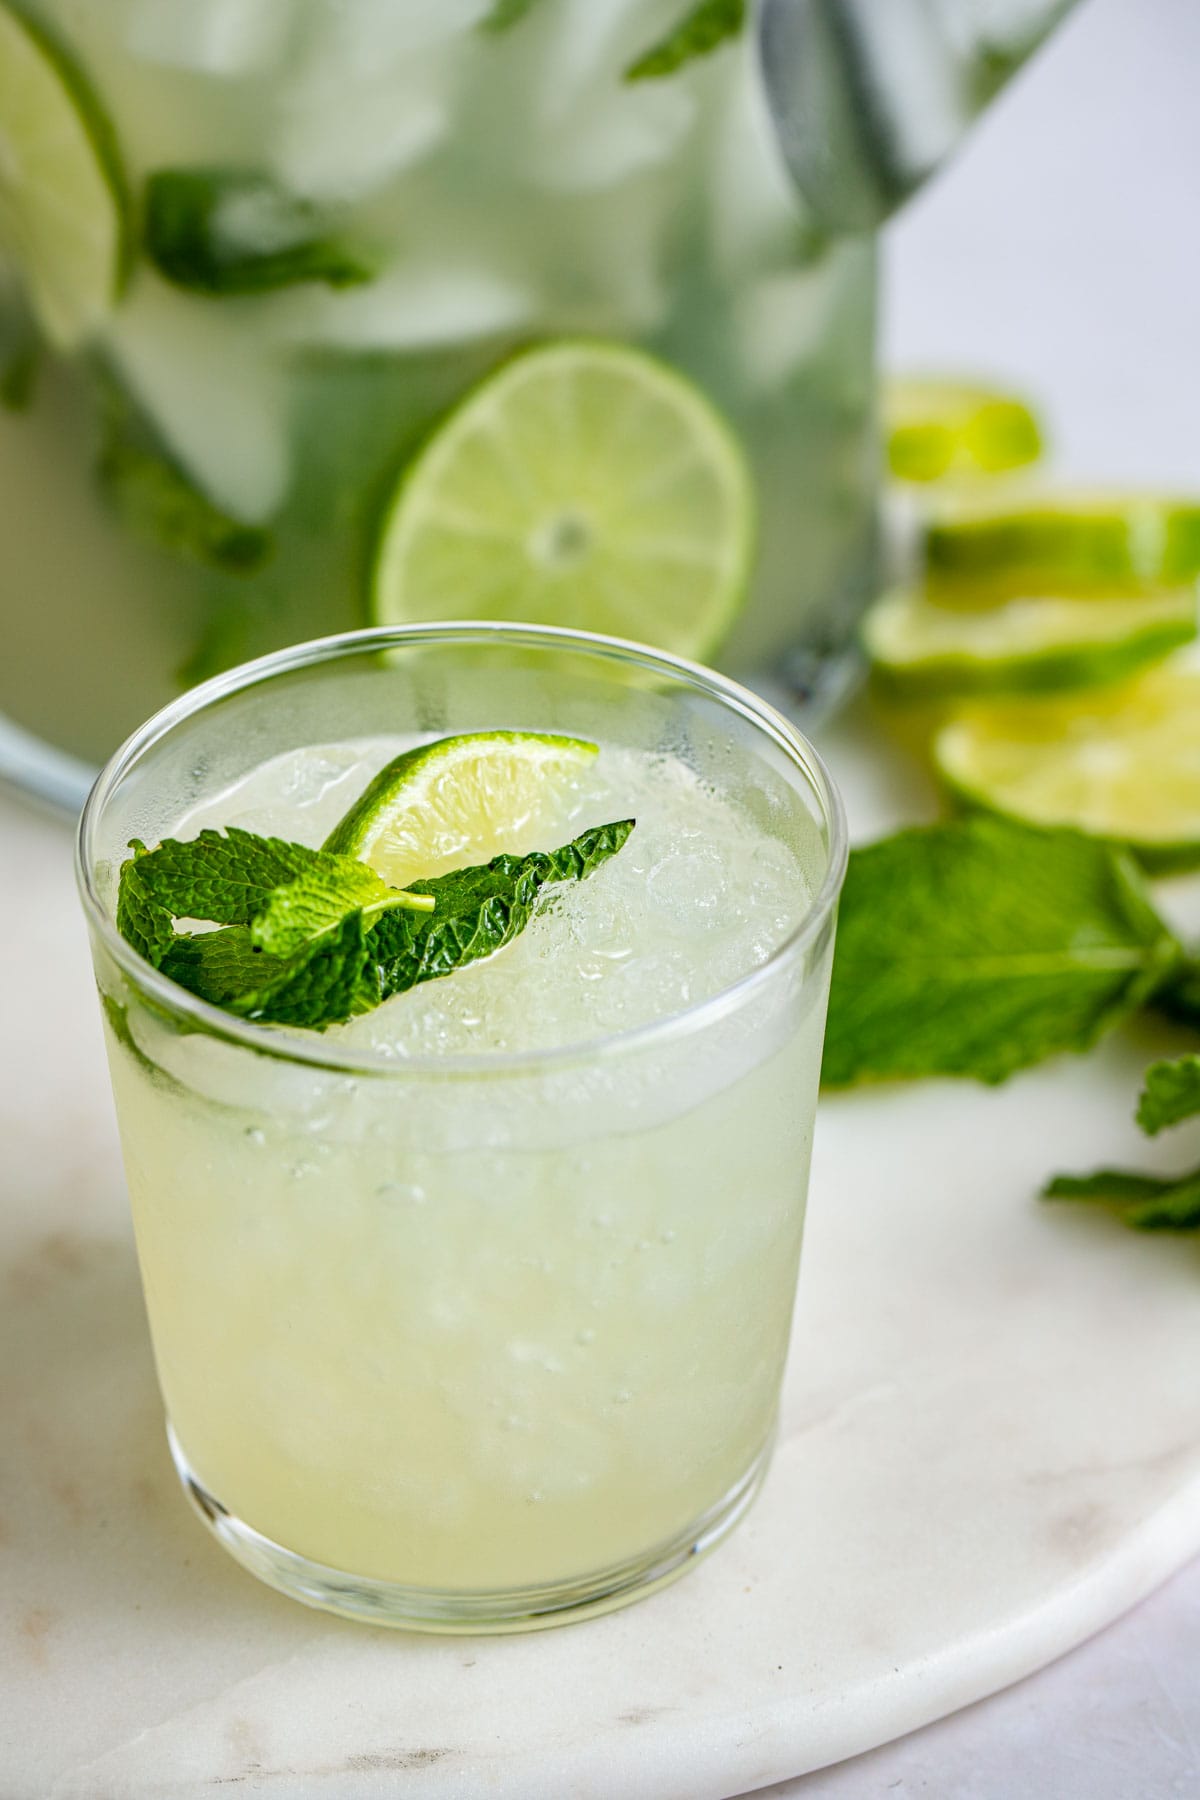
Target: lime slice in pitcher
{"x":936,"y":428}
{"x":1123,"y":763}
{"x":923,"y":649}
{"x":582,"y":484}
{"x":461,"y":800}
{"x":63,"y":213}
{"x":978,"y":551}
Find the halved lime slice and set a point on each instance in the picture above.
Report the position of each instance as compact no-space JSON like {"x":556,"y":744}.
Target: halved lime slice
{"x":923,"y":649}
{"x":1123,"y":763}
{"x":63,"y":211}
{"x":462,"y":800}
{"x":581,"y":484}
{"x":936,"y":428}
{"x":1070,"y":543}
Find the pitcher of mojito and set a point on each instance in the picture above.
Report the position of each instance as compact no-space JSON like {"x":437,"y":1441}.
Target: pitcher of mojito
{"x":319,"y":313}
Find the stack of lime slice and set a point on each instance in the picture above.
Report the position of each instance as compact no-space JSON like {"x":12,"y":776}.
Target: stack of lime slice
{"x":1047,"y":612}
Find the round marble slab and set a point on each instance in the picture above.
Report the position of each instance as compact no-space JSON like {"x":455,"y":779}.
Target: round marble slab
{"x":990,"y":1446}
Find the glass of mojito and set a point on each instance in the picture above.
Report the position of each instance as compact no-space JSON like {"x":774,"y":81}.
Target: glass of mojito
{"x":319,"y":313}
{"x":464,"y":989}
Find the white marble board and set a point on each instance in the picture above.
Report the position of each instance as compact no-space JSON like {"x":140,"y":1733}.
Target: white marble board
{"x":990,"y":1447}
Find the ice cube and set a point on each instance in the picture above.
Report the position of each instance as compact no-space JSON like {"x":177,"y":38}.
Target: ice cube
{"x":413,"y":306}
{"x":357,"y":35}
{"x":210,"y":37}
{"x":339,"y":137}
{"x":781,"y":321}
{"x":210,"y":383}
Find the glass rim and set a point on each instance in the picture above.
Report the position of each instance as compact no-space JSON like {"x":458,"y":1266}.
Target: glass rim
{"x":291,"y":1044}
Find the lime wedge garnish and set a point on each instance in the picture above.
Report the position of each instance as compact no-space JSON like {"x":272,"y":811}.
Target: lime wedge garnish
{"x":937,"y":428}
{"x":63,"y":212}
{"x":921,"y":648}
{"x":461,"y":800}
{"x":1123,"y":763}
{"x":1087,"y":544}
{"x":582,"y":484}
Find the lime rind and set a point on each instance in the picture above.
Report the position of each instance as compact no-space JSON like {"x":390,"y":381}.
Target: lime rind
{"x":936,"y":429}
{"x":1122,"y":765}
{"x":920,"y":649}
{"x":581,"y":483}
{"x":70,"y":231}
{"x":1084,"y":544}
{"x":461,"y":800}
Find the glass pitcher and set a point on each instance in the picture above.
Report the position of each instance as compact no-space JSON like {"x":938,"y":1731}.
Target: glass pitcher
{"x":194,"y":465}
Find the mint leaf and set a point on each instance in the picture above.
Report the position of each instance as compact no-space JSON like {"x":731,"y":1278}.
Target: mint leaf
{"x":316,"y":901}
{"x":506,"y":13}
{"x":1143,"y":1202}
{"x":1179,"y":997}
{"x":21,"y":352}
{"x":227,"y":877}
{"x":480,"y":909}
{"x":1171,"y":1092}
{"x":323,"y":982}
{"x":157,"y":501}
{"x":707,"y":25}
{"x":980,"y":946}
{"x":236,"y":231}
{"x":313,"y":937}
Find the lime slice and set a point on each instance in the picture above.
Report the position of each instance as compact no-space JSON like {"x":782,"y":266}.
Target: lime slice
{"x":462,"y":800}
{"x":1089,"y":544}
{"x":938,"y":428}
{"x":582,"y":484}
{"x":924,"y":649}
{"x":1123,"y":763}
{"x":63,"y":212}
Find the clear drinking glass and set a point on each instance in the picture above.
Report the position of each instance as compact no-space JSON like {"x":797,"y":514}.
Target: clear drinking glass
{"x":199,"y":475}
{"x":475,"y":1342}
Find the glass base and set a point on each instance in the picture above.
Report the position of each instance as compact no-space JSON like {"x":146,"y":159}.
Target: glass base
{"x":432,"y":1609}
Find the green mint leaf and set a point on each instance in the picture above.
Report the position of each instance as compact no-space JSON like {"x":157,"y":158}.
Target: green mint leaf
{"x":317,"y":900}
{"x":313,"y":937}
{"x":21,"y":352}
{"x":505,"y":14}
{"x":322,"y":983}
{"x":703,"y":28}
{"x":1143,"y":1202}
{"x":235,"y":231}
{"x":158,"y":501}
{"x":1171,"y":1092}
{"x":225,"y":877}
{"x":480,"y":909}
{"x":1179,"y":996}
{"x":979,"y":947}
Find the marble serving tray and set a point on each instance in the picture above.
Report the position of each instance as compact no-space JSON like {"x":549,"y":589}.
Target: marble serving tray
{"x":990,"y":1446}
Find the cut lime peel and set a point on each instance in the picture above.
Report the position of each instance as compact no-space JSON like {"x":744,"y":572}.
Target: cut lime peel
{"x":459,"y":788}
{"x":67,"y":91}
{"x":920,"y":649}
{"x":937,"y":428}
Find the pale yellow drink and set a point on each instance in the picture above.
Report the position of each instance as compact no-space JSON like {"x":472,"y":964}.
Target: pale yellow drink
{"x":491,"y":1313}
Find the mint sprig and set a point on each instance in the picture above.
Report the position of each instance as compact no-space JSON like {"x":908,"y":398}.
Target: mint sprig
{"x":221,"y":232}
{"x":703,"y":28}
{"x":980,"y":947}
{"x":313,"y":937}
{"x":1170,"y":1094}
